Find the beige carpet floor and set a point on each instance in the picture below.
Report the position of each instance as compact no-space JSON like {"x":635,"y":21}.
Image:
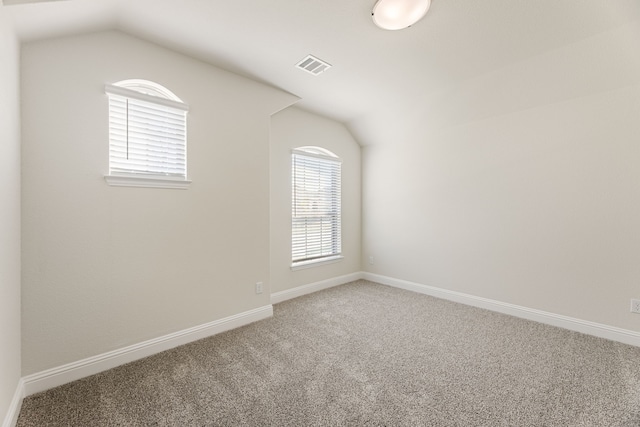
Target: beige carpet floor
{"x":364,"y":354}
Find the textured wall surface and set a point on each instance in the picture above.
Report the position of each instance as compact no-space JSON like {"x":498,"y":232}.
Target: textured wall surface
{"x":523,"y":185}
{"x":106,"y":267}
{"x":9,"y":216}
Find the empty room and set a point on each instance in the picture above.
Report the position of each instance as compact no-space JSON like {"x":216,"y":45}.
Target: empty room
{"x":319,"y":213}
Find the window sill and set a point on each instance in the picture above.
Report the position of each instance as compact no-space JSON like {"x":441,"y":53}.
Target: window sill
{"x":315,"y":263}
{"x":146,"y":182}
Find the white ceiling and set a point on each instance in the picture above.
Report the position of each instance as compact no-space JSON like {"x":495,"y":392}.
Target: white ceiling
{"x":376,"y":74}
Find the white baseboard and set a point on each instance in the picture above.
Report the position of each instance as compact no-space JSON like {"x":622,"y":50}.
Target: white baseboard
{"x":54,"y":377}
{"x":11,"y":418}
{"x":584,"y":326}
{"x":314,"y":287}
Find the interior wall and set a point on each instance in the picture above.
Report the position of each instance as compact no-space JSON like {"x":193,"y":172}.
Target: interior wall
{"x":521,"y":185}
{"x":106,"y":267}
{"x":292,"y":128}
{"x":9,"y":215}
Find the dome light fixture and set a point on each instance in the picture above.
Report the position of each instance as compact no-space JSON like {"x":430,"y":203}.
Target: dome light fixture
{"x":399,"y":14}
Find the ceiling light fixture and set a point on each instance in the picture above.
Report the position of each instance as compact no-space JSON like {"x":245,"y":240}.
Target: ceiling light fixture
{"x":399,"y":14}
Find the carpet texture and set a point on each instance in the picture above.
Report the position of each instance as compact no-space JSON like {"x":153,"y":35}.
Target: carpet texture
{"x":364,"y":354}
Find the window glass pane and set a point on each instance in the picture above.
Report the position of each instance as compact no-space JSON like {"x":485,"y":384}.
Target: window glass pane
{"x":146,"y":137}
{"x":316,"y":223}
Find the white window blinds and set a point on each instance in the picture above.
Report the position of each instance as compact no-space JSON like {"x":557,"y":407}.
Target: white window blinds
{"x":147,"y":134}
{"x":316,"y":223}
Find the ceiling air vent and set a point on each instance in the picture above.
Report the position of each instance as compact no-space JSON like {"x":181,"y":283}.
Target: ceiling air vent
{"x":313,"y":65}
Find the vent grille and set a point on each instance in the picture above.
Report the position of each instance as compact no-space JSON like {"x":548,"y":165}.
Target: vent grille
{"x":313,"y":65}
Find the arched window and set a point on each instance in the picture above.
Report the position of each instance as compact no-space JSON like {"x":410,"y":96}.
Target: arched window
{"x":316,"y":227}
{"x":147,"y":135}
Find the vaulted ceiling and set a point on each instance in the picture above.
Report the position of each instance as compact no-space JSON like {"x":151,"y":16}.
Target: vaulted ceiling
{"x":378,"y":77}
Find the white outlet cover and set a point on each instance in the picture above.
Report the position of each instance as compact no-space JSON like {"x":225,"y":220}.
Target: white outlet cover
{"x":635,"y":306}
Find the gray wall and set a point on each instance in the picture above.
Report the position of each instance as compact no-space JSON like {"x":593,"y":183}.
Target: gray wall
{"x":9,"y":215}
{"x":105,"y":267}
{"x":521,"y":185}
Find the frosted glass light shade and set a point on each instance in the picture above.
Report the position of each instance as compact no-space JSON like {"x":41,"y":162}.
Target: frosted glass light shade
{"x":399,"y":14}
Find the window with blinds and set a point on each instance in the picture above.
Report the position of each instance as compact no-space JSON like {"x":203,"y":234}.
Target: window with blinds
{"x":147,"y":131}
{"x":316,"y":222}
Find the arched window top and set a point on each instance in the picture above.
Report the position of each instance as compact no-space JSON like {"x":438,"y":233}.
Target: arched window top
{"x":319,"y":151}
{"x":148,"y":87}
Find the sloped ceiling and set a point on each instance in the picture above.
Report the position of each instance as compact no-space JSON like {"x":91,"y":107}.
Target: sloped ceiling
{"x":379,"y":78}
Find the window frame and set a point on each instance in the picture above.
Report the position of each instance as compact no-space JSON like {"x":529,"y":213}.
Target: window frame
{"x":146,"y":92}
{"x":334,"y":215}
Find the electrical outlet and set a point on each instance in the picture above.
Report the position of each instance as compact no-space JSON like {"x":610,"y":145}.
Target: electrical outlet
{"x":635,"y":306}
{"x":371,"y":259}
{"x":259,"y":288}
